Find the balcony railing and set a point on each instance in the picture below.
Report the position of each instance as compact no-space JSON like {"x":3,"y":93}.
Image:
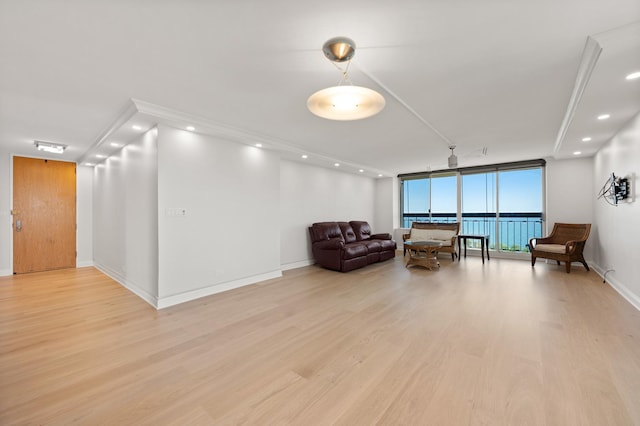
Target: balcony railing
{"x":513,"y":231}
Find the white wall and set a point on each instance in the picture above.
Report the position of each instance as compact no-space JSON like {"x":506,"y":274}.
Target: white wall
{"x":387,"y":205}
{"x":125,"y":219}
{"x":618,"y":235}
{"x":230,"y":235}
{"x":570,"y":196}
{"x":84,"y":213}
{"x":6,"y":262}
{"x":311,"y":194}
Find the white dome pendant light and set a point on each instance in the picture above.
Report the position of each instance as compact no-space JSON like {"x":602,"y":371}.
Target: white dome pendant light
{"x":344,"y":101}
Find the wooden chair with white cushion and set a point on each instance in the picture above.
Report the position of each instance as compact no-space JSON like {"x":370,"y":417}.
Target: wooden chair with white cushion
{"x":444,"y":233}
{"x":564,"y":244}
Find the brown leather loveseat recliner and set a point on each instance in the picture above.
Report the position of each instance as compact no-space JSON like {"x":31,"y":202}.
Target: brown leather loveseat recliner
{"x":345,"y":246}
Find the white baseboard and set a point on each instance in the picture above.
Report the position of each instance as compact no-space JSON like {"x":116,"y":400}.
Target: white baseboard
{"x":128,"y":284}
{"x":176,"y":299}
{"x":5,"y":272}
{"x":84,"y":263}
{"x":295,"y":265}
{"x":622,"y":289}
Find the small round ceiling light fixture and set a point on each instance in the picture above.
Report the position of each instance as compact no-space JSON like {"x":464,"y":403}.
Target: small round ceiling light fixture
{"x":339,"y":49}
{"x":345,"y":101}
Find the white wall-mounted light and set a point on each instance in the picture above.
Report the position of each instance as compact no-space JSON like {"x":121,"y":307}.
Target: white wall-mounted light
{"x":345,"y":101}
{"x":191,"y":128}
{"x":53,"y":148}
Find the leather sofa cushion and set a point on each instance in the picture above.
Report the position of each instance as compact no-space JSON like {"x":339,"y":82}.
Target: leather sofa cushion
{"x":354,"y":250}
{"x":362,"y":229}
{"x":347,"y":232}
{"x":326,"y":231}
{"x":373,"y":246}
{"x":387,"y":245}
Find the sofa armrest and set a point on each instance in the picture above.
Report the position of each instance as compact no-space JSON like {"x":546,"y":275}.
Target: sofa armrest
{"x":332,"y":244}
{"x":381,"y":237}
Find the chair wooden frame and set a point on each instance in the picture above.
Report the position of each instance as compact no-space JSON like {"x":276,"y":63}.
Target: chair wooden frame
{"x":455,"y":226}
{"x":572,"y":236}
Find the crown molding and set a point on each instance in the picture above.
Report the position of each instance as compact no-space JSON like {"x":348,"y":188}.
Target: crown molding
{"x":590,"y":55}
{"x":157,"y":114}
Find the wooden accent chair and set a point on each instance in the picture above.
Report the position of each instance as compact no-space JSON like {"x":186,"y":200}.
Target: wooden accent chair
{"x":445,"y":233}
{"x":564,"y":244}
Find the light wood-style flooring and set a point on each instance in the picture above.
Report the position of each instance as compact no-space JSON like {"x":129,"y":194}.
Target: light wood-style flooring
{"x":470,"y":344}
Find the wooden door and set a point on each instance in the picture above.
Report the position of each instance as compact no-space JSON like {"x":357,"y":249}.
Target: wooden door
{"x":44,"y":215}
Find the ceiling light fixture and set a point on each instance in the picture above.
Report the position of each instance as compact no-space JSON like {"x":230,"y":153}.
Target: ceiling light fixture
{"x":336,"y":164}
{"x":258,"y":145}
{"x":587,"y":139}
{"x":603,"y":116}
{"x":191,"y":128}
{"x":305,"y":156}
{"x":633,"y":75}
{"x":135,"y":127}
{"x":345,"y":101}
{"x":53,"y":148}
{"x":116,"y":144}
{"x":577,"y":152}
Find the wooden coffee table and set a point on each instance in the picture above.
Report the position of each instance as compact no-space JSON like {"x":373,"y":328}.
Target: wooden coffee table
{"x":423,"y":253}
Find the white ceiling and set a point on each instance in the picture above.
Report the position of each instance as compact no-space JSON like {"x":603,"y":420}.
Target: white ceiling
{"x":516,"y":77}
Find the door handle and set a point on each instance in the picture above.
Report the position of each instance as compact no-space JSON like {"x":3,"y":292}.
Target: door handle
{"x":18,"y":225}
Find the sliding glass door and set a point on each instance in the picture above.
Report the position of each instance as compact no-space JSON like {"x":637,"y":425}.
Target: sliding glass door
{"x":429,"y":198}
{"x":502,"y":201}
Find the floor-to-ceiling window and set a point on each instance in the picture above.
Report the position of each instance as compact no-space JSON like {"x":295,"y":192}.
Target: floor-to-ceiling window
{"x":503,"y":201}
{"x":429,"y":198}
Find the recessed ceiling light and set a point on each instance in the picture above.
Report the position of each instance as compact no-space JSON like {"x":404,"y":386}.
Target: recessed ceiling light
{"x":577,"y":152}
{"x":134,"y":127}
{"x":361,"y":171}
{"x":100,"y":156}
{"x":603,"y":116}
{"x":190,"y":128}
{"x":380,"y":175}
{"x":89,"y":164}
{"x":259,"y":145}
{"x":116,"y":144}
{"x":336,"y":164}
{"x":587,"y":139}
{"x":305,"y":156}
{"x":633,"y":75}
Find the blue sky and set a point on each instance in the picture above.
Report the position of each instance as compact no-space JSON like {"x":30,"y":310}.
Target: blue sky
{"x":520,"y":191}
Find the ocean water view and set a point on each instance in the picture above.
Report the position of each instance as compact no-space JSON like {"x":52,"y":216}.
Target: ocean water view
{"x":513,"y":231}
